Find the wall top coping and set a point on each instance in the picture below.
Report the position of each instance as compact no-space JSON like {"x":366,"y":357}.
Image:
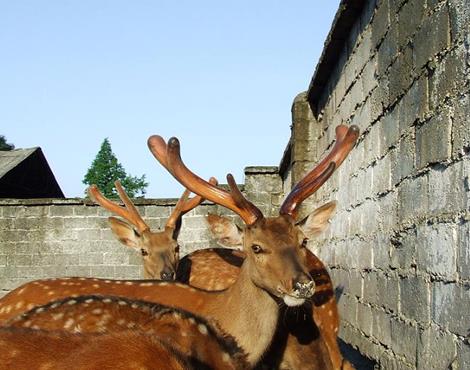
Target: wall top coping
{"x":348,"y":13}
{"x":84,"y":202}
{"x":255,"y":170}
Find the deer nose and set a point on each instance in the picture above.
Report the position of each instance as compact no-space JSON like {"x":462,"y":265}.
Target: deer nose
{"x":304,"y":287}
{"x":167,"y":275}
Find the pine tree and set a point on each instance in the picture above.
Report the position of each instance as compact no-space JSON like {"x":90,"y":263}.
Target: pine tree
{"x":105,"y":170}
{"x":4,"y":145}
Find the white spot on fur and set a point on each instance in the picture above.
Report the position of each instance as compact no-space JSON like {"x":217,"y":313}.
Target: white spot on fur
{"x":191,"y":320}
{"x":226,"y":357}
{"x":69,"y":323}
{"x":330,"y":313}
{"x":57,"y":316}
{"x":145,"y":284}
{"x":129,"y":283}
{"x":39,"y":310}
{"x":19,"y":305}
{"x":202,"y":329}
{"x":107,"y":300}
{"x":121,"y":322}
{"x":71,"y":302}
{"x":97,"y":311}
{"x":89,"y":300}
{"x":51,"y":292}
{"x":27,"y":324}
{"x":122,"y":303}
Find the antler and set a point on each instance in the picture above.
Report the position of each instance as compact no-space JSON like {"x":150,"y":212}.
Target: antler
{"x":129,"y":212}
{"x":169,"y":157}
{"x":345,"y":141}
{"x":185,"y":205}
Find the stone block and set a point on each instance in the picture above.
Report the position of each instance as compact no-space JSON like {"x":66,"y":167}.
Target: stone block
{"x":461,"y":126}
{"x":432,"y":38}
{"x":459,"y":19}
{"x":449,"y":77}
{"x":388,"y":49}
{"x":401,"y":74}
{"x":450,"y":307}
{"x":389,"y":130}
{"x":415,"y":298}
{"x":128,"y":272}
{"x":382,"y":182}
{"x":413,"y":199}
{"x":414,"y":105}
{"x":364,"y":318}
{"x":463,"y":355}
{"x":382,"y":327}
{"x":85,"y":210}
{"x":380,"y":23}
{"x":403,"y":159}
{"x":368,"y":77}
{"x":60,"y":211}
{"x":356,"y":283}
{"x":403,"y":250}
{"x":43,"y":259}
{"x":463,"y":247}
{"x":410,"y":17}
{"x":347,"y":307}
{"x":436,"y":349}
{"x":404,"y":339}
{"x":449,"y":188}
{"x":436,"y":252}
{"x":371,"y":287}
{"x":388,"y":292}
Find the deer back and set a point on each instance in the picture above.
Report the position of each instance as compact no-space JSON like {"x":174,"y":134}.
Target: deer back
{"x":192,"y":336}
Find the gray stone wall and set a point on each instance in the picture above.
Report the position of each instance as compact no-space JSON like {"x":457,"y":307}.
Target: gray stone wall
{"x":399,"y":244}
{"x":71,"y":237}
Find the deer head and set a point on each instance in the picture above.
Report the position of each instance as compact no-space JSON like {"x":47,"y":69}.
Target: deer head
{"x":160,"y":250}
{"x":275,"y":247}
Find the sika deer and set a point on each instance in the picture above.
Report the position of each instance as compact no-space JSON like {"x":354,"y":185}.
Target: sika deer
{"x":145,"y":336}
{"x":159,"y":249}
{"x":145,"y":289}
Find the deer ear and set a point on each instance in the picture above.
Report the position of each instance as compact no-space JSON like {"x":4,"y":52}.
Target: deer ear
{"x":124,"y":232}
{"x":318,"y":220}
{"x":225,"y":231}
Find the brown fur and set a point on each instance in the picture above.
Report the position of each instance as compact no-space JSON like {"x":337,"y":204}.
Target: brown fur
{"x":193,"y":337}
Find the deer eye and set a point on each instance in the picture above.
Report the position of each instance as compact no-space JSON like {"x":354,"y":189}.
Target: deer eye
{"x":256,"y":248}
{"x":144,"y":252}
{"x":304,"y":243}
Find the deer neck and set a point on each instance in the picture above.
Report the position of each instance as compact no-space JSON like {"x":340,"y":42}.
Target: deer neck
{"x":248,"y":313}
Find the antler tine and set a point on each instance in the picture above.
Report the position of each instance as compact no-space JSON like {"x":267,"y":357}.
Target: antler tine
{"x":177,"y":212}
{"x":169,"y":157}
{"x":133,"y":212}
{"x":345,"y":141}
{"x":104,"y":202}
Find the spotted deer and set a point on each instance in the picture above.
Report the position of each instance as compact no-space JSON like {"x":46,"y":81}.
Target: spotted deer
{"x":322,"y":316}
{"x":160,"y":250}
{"x":274,"y":270}
{"x":145,"y":336}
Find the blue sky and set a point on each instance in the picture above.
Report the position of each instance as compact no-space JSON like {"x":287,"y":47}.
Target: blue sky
{"x":221,"y":76}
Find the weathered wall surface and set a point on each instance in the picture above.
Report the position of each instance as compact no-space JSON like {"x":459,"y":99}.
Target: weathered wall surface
{"x":399,"y":244}
{"x":71,"y":237}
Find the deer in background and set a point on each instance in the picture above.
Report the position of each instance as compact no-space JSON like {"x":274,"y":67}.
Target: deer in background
{"x":152,"y":336}
{"x":160,"y":250}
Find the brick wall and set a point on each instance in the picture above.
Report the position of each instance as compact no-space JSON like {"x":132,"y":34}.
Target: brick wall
{"x":71,"y":237}
{"x":399,"y":244}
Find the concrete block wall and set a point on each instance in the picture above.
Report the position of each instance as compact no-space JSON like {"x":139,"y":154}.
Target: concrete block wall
{"x":399,"y":243}
{"x":71,"y":237}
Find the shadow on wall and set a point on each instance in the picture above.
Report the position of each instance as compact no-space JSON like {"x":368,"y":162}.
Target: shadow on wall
{"x":355,"y":357}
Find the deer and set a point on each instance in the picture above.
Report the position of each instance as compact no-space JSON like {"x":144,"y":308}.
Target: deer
{"x":263,"y":273}
{"x":151,"y":336}
{"x":160,"y":250}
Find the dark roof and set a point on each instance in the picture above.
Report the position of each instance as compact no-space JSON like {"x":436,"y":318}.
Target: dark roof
{"x":25,"y":173}
{"x":347,"y":14}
